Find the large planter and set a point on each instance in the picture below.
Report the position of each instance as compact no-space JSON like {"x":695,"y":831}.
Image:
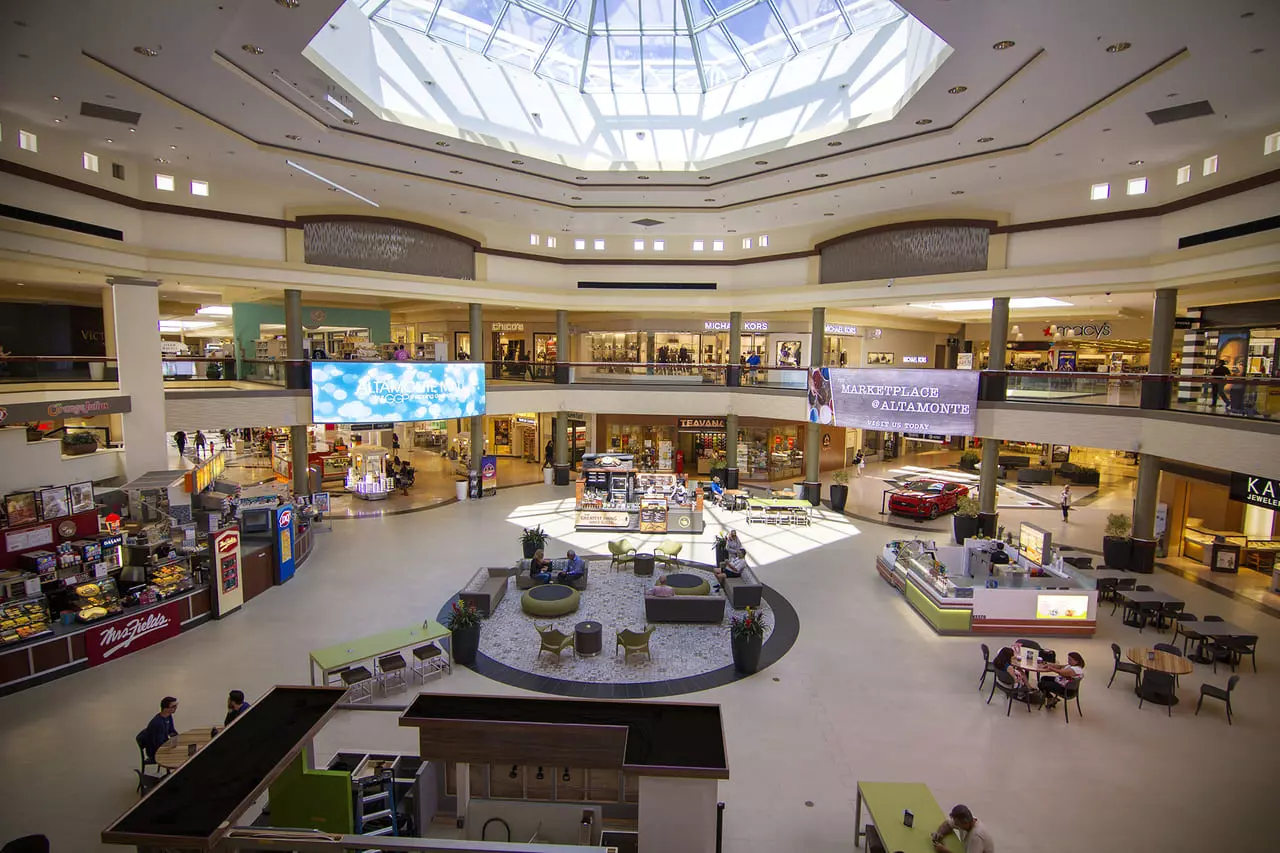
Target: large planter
{"x":466,"y":643}
{"x":965,"y":527}
{"x":1117,"y":552}
{"x":78,"y":449}
{"x":746,"y":653}
{"x":839,"y":495}
{"x":528,"y":548}
{"x":722,"y":553}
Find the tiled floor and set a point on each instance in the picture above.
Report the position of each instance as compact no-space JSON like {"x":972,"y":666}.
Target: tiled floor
{"x":867,"y":692}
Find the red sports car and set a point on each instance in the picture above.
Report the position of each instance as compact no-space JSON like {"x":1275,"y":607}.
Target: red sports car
{"x":926,"y":498}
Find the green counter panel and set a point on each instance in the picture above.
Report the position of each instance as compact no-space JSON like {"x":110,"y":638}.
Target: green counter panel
{"x":312,"y":799}
{"x":944,"y":621}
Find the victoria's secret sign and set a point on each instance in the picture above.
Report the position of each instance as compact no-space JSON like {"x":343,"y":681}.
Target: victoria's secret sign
{"x":126,"y":636}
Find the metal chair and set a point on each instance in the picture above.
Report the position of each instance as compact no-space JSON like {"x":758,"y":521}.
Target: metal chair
{"x":391,"y":669}
{"x":1169,"y":611}
{"x":1212,"y":618}
{"x":1159,"y":683}
{"x":1006,"y":685}
{"x":1218,"y":693}
{"x":1235,"y":648}
{"x":1122,"y":585}
{"x":633,"y":642}
{"x":553,"y":640}
{"x":621,"y":550}
{"x":145,"y":782}
{"x":359,"y":683}
{"x":429,"y":659}
{"x":668,"y":553}
{"x":987,"y":665}
{"x":1123,"y":666}
{"x":1071,"y":691}
{"x":1179,"y":627}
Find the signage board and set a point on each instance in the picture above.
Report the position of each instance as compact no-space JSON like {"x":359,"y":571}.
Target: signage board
{"x":603,"y":518}
{"x":359,"y":392}
{"x":837,"y":329}
{"x":1062,"y":607}
{"x":964,"y":361}
{"x":285,"y":565}
{"x":228,"y":592}
{"x":203,"y":476}
{"x":1034,"y":543}
{"x":934,"y":402}
{"x":17,"y":413}
{"x":701,"y":423}
{"x":915,"y":359}
{"x":725,"y":326}
{"x":507,"y":327}
{"x":1259,"y":491}
{"x":489,"y":474}
{"x":125,"y":636}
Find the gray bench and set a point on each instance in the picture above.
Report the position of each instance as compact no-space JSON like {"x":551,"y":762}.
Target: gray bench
{"x":684,"y":608}
{"x":743,"y":592}
{"x":524,"y":580}
{"x":486,"y":598}
{"x":1035,"y":475}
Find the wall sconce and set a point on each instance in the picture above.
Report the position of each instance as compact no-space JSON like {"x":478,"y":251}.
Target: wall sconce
{"x":565,"y":777}
{"x":513,"y":771}
{"x":540,"y":775}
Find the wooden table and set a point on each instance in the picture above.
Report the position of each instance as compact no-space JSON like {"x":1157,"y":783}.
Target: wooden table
{"x":886,"y":802}
{"x":1164,"y":662}
{"x":174,"y":753}
{"x":346,"y":654}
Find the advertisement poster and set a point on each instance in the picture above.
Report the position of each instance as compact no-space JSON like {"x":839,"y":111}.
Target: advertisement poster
{"x":1066,"y":361}
{"x":345,"y":392}
{"x":128,"y":635}
{"x":489,"y":474}
{"x":228,"y":593}
{"x":1233,"y":348}
{"x":284,"y":543}
{"x":940,"y":402}
{"x":964,"y":361}
{"x":320,"y":502}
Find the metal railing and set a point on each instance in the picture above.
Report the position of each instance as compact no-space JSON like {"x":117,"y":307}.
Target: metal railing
{"x":1253,"y":397}
{"x":18,"y":369}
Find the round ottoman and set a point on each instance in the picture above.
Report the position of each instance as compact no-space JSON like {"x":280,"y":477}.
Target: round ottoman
{"x":688,"y":584}
{"x":549,"y":600}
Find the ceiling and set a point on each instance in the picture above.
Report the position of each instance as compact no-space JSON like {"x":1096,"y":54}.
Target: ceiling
{"x":229,"y":96}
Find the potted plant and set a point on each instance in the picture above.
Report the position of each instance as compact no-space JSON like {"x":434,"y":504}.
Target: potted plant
{"x":79,"y":443}
{"x":464,"y":621}
{"x":213,"y":370}
{"x":1117,"y":547}
{"x":722,"y":548}
{"x":839,"y":489}
{"x":1085,"y":476}
{"x":746,"y":638}
{"x":969,"y":460}
{"x":964,"y":524}
{"x":532,"y":539}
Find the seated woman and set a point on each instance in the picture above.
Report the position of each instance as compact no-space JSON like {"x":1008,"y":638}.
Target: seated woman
{"x":540,"y":567}
{"x":736,"y":563}
{"x":574,"y":569}
{"x":1056,"y":685}
{"x":1003,"y":662}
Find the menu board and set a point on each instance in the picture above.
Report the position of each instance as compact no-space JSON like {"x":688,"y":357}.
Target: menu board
{"x":1033,"y":542}
{"x":653,"y":516}
{"x":604,"y":518}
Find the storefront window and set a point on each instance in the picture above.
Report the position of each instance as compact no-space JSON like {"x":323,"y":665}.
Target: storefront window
{"x":652,"y":446}
{"x":786,"y":459}
{"x":614,"y":348}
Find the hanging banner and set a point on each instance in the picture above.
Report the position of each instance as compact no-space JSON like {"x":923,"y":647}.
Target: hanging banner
{"x":228,"y":593}
{"x":938,"y":402}
{"x":489,"y":474}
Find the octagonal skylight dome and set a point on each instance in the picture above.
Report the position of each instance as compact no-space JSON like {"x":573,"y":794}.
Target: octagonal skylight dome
{"x":629,"y":46}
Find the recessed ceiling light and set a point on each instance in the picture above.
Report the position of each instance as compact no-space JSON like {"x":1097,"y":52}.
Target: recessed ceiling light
{"x":442,"y":143}
{"x":821,"y":175}
{"x":455,"y":171}
{"x":56,"y":98}
{"x":580,"y":178}
{"x":957,"y":192}
{"x":173,"y":148}
{"x":642,"y":177}
{"x":1137,"y":162}
{"x":956,"y":90}
{"x":147,"y":51}
{"x":517,"y":162}
{"x":1258,"y":50}
{"x":1242,"y":15}
{"x":708,"y":199}
{"x":295,"y":137}
{"x":924,"y":121}
{"x":834,"y":144}
{"x":828,"y":214}
{"x":57,"y":121}
{"x":161,"y":160}
{"x":1002,"y":45}
{"x":1106,"y":130}
{"x":762,"y":162}
{"x":1118,"y":47}
{"x":110,"y":140}
{"x":575,"y":198}
{"x":133,"y":130}
{"x":985,"y":138}
{"x":252,"y":48}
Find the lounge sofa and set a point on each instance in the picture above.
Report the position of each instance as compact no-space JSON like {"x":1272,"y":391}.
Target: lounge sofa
{"x":684,"y":608}
{"x":525,"y":581}
{"x":743,"y":592}
{"x":486,"y":598}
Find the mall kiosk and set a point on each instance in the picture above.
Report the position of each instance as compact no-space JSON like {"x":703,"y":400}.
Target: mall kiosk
{"x":612,"y":494}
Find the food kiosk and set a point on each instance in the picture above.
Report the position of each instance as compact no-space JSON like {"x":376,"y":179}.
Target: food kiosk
{"x":612,"y":494}
{"x":958,"y":590}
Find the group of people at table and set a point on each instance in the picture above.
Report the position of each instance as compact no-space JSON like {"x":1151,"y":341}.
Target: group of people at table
{"x":161,"y":729}
{"x":1052,"y":686}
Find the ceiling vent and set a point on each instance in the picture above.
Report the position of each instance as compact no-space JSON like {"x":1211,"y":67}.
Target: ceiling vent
{"x":109,"y":113}
{"x":647,"y":223}
{"x":1181,"y":113}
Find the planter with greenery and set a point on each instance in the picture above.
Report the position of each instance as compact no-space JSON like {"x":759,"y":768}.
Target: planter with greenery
{"x":965,"y":524}
{"x":746,"y":638}
{"x":839,"y":489}
{"x":213,"y":371}
{"x":969,"y":460}
{"x":532,"y":539}
{"x":79,"y":443}
{"x":1117,"y":547}
{"x":464,"y":621}
{"x":722,"y":548}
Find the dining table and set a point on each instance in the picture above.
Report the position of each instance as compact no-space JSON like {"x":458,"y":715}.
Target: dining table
{"x":1158,"y":661}
{"x":177,"y":750}
{"x":1201,"y":631}
{"x":1155,"y":596}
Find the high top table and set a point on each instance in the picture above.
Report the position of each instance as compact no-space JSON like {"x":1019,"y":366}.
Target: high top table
{"x":886,"y":802}
{"x":346,"y":654}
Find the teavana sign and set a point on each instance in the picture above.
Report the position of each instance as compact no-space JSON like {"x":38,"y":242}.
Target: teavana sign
{"x":126,"y":636}
{"x":1259,"y":491}
{"x":941,"y":402}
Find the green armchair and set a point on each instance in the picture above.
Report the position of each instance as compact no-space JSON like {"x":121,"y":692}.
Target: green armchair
{"x":553,"y":640}
{"x":668,"y":553}
{"x":634,"y":642}
{"x":621,"y":550}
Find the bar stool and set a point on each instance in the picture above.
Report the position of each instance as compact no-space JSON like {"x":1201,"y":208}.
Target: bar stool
{"x":391,"y":668}
{"x":359,"y":683}
{"x":428,"y":659}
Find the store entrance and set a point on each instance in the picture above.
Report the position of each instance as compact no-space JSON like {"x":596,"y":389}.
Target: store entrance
{"x":513,"y":352}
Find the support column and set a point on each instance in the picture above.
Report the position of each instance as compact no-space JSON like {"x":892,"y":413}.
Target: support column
{"x":562,"y":347}
{"x":136,"y":308}
{"x":1193,"y":361}
{"x":294,"y":376}
{"x":813,"y":433}
{"x":115,"y":426}
{"x":477,"y":421}
{"x":992,"y":387}
{"x":1146,"y":497}
{"x":731,"y":450}
{"x":560,"y":430}
{"x":1156,"y":388}
{"x":733,"y":377}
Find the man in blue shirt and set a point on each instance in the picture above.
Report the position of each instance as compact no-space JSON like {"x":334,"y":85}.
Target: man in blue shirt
{"x":235,"y":706}
{"x":160,"y":729}
{"x":573,"y":570}
{"x":753,"y":362}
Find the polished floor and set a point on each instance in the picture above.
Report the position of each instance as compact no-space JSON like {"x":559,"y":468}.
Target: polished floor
{"x":867,"y":692}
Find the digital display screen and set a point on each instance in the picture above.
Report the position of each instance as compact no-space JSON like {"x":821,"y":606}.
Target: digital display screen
{"x":347,"y":392}
{"x":1062,"y":607}
{"x":933,"y":402}
{"x":1033,"y":542}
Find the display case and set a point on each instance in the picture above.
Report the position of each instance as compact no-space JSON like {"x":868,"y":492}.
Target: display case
{"x":366,"y":478}
{"x":916,"y":562}
{"x":96,"y":600}
{"x":1201,"y":543}
{"x":23,"y":619}
{"x":170,"y":579}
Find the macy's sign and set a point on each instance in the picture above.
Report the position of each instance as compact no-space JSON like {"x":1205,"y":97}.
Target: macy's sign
{"x":126,"y":636}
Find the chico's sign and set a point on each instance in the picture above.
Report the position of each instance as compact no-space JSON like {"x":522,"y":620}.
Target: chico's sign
{"x":126,"y":636}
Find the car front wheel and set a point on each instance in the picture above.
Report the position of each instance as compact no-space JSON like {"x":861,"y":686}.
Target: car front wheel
{"x":933,"y":511}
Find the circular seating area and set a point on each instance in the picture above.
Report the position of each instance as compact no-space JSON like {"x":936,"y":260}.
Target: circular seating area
{"x":550,"y":600}
{"x":688,"y":584}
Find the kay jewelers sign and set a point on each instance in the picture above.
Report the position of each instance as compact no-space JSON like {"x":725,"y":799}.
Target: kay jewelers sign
{"x":1259,"y":491}
{"x":929,"y":401}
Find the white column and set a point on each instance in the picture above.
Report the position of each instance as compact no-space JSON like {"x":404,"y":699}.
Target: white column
{"x":677,"y":814}
{"x":116,"y":422}
{"x":136,"y":306}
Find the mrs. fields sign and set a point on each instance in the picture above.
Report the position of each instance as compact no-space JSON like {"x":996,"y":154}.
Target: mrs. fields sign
{"x":1259,"y":491}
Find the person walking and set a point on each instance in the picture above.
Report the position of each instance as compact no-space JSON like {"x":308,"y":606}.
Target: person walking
{"x":180,"y":439}
{"x":202,"y":443}
{"x":860,"y":463}
{"x":547,"y":453}
{"x":1219,"y":388}
{"x":1065,"y":501}
{"x":401,"y":353}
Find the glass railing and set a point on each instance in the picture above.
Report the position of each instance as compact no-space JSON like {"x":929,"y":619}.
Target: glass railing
{"x":1254,"y":397}
{"x":1086,"y":389}
{"x":20,"y":369}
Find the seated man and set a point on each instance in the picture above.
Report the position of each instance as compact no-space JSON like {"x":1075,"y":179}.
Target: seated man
{"x":717,"y":490}
{"x":540,"y":567}
{"x":999,"y":557}
{"x":573,"y":570}
{"x":160,"y":729}
{"x":661,"y":590}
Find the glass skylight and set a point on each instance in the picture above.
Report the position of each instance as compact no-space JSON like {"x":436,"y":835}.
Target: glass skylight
{"x":630,"y":46}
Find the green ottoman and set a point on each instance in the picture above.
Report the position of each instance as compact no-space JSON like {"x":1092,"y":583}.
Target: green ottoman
{"x":688,"y":584}
{"x":550,"y":600}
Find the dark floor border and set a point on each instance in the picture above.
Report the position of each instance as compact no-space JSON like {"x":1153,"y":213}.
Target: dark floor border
{"x":786,"y":629}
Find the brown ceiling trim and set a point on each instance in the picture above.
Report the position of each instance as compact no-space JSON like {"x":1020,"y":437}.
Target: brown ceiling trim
{"x":53,"y":180}
{"x":989,"y":224}
{"x":1215,"y":194}
{"x":388,"y":220}
{"x":647,"y":262}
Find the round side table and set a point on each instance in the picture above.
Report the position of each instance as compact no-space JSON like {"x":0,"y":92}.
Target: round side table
{"x":644,"y":564}
{"x":587,"y":638}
